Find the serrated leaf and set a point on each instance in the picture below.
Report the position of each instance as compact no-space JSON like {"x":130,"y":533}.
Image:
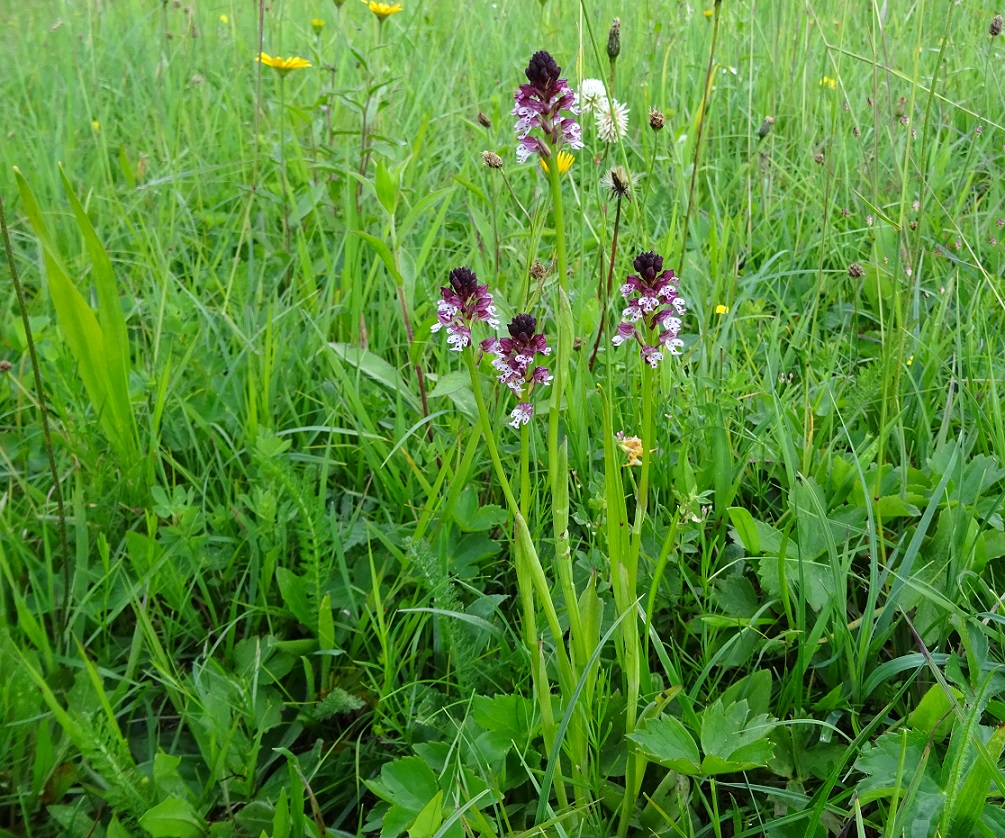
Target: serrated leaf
{"x":665,"y":740}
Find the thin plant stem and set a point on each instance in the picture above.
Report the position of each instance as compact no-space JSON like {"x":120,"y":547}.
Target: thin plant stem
{"x":43,"y":415}
{"x":706,"y":92}
{"x":282,"y":162}
{"x":628,"y":581}
{"x":604,"y":292}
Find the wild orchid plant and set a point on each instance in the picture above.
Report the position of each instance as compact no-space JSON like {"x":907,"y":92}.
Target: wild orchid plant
{"x":546,"y":110}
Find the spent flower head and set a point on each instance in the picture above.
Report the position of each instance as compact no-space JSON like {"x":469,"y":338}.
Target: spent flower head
{"x":657,"y":119}
{"x":463,"y":302}
{"x":539,"y":104}
{"x":652,"y":316}
{"x":619,"y":182}
{"x":514,"y":361}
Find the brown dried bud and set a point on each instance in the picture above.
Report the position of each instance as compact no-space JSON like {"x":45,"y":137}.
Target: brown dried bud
{"x":995,"y":28}
{"x":5,"y":366}
{"x":614,"y":40}
{"x":766,"y":126}
{"x":492,"y":160}
{"x":483,"y":120}
{"x":656,"y":119}
{"x":538,"y":271}
{"x":855,"y":271}
{"x":818,"y":158}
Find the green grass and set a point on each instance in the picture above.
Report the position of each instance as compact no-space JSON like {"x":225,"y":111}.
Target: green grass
{"x":294,"y":602}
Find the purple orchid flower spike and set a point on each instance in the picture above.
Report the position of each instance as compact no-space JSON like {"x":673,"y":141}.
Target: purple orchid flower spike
{"x":539,"y":104}
{"x":652,"y":316}
{"x":463,"y":302}
{"x":514,"y":361}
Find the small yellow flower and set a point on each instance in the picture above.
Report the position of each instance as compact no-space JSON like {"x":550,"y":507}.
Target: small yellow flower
{"x":383,"y":10}
{"x":283,"y":65}
{"x":565,"y":161}
{"x":632,"y":446}
{"x":224,"y":20}
{"x":96,"y":125}
{"x":708,"y":13}
{"x":910,"y":360}
{"x":721,"y":309}
{"x":318,"y":25}
{"x":828,"y":82}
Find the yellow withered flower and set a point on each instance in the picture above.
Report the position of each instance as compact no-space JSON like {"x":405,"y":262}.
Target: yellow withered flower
{"x":565,"y":161}
{"x":383,"y":10}
{"x":283,"y":65}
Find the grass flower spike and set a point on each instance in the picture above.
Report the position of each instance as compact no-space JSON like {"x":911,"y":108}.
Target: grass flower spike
{"x":565,"y":161}
{"x":383,"y":10}
{"x":539,"y":104}
{"x":283,"y":65}
{"x":514,"y":362}
{"x":463,"y":302}
{"x":653,"y":305}
{"x":612,"y":121}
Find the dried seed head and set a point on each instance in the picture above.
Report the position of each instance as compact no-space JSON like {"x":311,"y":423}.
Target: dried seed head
{"x":995,"y":28}
{"x":492,"y":160}
{"x":483,"y":120}
{"x":818,"y":158}
{"x":614,"y":40}
{"x":855,"y":132}
{"x":656,"y":119}
{"x":766,"y":127}
{"x":914,"y":225}
{"x":538,"y":271}
{"x":5,"y":366}
{"x":618,"y":182}
{"x":855,"y":271}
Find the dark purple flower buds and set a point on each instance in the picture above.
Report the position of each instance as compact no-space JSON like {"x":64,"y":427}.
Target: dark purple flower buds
{"x":463,"y":302}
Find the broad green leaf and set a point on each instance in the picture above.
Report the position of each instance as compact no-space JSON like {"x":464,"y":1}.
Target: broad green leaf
{"x":429,"y":818}
{"x":933,"y":714}
{"x":293,"y":590}
{"x":746,"y":529}
{"x":471,"y":517}
{"x":110,"y":316}
{"x":384,"y":252}
{"x":407,"y":782}
{"x":665,"y":740}
{"x":173,"y":818}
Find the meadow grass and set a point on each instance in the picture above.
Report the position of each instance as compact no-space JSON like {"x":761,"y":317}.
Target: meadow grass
{"x":295,"y":598}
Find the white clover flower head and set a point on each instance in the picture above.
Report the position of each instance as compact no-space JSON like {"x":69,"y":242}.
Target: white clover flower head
{"x":591,"y":94}
{"x":612,"y":121}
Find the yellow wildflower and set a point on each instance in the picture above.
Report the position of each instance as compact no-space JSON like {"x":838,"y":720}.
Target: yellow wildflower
{"x":224,"y":20}
{"x":721,"y":309}
{"x":828,"y":82}
{"x":96,"y":125}
{"x":283,"y":65}
{"x":383,"y":10}
{"x":910,"y":360}
{"x":564,"y":162}
{"x":317,"y":25}
{"x":708,"y":13}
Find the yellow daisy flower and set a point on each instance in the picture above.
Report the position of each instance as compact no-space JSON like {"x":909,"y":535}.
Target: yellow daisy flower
{"x":283,"y":65}
{"x":721,"y":309}
{"x":383,"y":10}
{"x":565,"y":161}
